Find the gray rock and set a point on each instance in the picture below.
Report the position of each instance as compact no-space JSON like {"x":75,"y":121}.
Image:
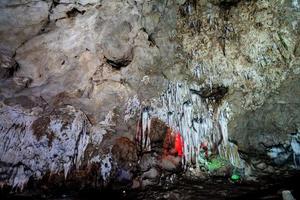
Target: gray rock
{"x":269,"y":170}
{"x":279,"y":155}
{"x":21,"y":20}
{"x":147,"y":161}
{"x":153,"y":173}
{"x":287,"y":195}
{"x":136,"y":184}
{"x":92,"y":55}
{"x":124,"y":176}
{"x":261,"y":166}
{"x":271,"y":124}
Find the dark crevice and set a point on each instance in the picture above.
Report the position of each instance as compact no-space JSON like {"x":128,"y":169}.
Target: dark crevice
{"x":215,"y":93}
{"x":13,"y":69}
{"x":45,"y":27}
{"x":55,"y":3}
{"x":150,"y":36}
{"x":60,"y":19}
{"x":227,"y":5}
{"x":118,"y":64}
{"x":187,"y":8}
{"x":6,"y":73}
{"x":74,"y":12}
{"x":151,"y":40}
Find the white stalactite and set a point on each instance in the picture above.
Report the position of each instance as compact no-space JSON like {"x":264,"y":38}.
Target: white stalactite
{"x":197,"y":121}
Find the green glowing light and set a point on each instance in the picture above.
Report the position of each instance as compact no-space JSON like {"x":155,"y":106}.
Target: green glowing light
{"x":215,"y":164}
{"x":235,"y":177}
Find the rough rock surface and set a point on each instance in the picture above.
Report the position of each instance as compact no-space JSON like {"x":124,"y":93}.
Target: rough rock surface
{"x":85,"y":82}
{"x":274,"y":122}
{"x":45,"y":141}
{"x":82,"y":61}
{"x":247,"y":47}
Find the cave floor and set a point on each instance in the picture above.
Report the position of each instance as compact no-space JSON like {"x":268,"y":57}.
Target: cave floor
{"x":268,"y":187}
{"x":219,"y":188}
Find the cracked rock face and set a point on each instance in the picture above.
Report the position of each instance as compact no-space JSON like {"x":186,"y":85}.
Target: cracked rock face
{"x":68,"y":68}
{"x":82,"y":82}
{"x":21,"y":20}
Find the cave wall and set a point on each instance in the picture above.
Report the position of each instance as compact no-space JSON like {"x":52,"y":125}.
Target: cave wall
{"x":225,"y":62}
{"x":273,"y":123}
{"x":251,"y":47}
{"x":69,"y":69}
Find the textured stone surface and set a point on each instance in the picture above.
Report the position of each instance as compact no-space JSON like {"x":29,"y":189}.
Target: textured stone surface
{"x":272,"y":123}
{"x":45,"y":142}
{"x":125,"y":153}
{"x":89,"y":56}
{"x":246,"y":47}
{"x":21,"y":20}
{"x":7,"y":64}
{"x":71,"y":71}
{"x":249,"y":52}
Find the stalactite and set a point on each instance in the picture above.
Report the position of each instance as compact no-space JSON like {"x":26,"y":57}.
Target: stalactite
{"x":199,"y":113}
{"x":198,"y":121}
{"x":143,"y":130}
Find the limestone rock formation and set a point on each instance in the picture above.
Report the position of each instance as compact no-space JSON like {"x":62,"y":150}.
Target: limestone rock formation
{"x":45,"y":141}
{"x":67,"y":70}
{"x":245,"y":46}
{"x":96,"y":84}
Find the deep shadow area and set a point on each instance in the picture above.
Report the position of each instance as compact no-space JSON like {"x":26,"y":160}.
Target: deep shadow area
{"x":214,"y":188}
{"x":220,"y":188}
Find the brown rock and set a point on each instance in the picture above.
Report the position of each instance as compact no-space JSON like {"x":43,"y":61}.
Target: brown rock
{"x":136,"y":183}
{"x":170,"y":163}
{"x":124,"y":152}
